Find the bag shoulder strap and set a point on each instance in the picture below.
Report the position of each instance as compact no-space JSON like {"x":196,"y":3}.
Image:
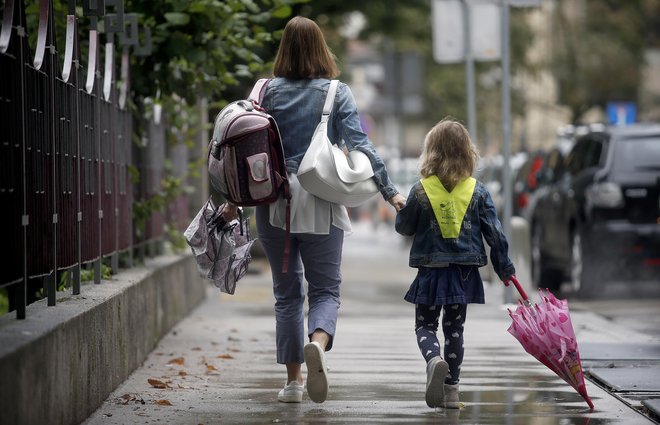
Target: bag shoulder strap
{"x":330,"y":99}
{"x":258,"y":91}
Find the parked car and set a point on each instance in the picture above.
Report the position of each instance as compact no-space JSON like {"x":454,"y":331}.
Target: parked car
{"x":490,"y":171}
{"x":526,"y":181}
{"x":600,"y":218}
{"x":540,"y":169}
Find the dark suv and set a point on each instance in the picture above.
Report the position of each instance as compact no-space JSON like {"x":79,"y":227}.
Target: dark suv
{"x":600,"y":219}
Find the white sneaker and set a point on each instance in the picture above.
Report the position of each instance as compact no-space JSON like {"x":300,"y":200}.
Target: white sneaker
{"x":436,"y":372}
{"x":291,"y":393}
{"x":317,"y":372}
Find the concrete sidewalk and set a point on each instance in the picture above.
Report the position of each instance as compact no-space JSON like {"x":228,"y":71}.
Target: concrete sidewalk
{"x":218,"y":364}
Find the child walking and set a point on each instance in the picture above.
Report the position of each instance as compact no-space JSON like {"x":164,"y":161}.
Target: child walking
{"x":449,"y":213}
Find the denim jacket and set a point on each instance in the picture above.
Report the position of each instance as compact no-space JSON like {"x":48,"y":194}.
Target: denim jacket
{"x":430,"y":249}
{"x":297,"y":105}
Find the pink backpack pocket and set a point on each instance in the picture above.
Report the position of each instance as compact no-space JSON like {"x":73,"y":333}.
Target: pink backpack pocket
{"x":259,"y":175}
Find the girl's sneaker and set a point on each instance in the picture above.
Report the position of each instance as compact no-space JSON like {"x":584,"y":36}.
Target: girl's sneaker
{"x":451,"y":397}
{"x":291,"y":393}
{"x":436,"y":372}
{"x":317,"y":372}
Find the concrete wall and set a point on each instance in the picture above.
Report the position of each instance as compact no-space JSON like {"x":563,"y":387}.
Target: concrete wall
{"x":62,"y":362}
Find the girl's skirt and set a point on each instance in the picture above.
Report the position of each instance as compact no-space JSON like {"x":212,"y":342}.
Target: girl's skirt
{"x":454,"y":284}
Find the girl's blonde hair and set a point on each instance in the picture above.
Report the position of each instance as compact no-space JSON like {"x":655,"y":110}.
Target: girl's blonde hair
{"x":303,"y":52}
{"x":448,"y":153}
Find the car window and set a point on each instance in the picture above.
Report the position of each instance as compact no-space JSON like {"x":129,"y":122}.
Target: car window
{"x":575,"y":159}
{"x":593,"y":155}
{"x":586,"y":153}
{"x":555,"y":165}
{"x":637,"y":154}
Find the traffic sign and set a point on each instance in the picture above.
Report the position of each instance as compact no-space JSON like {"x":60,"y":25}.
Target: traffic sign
{"x":449,"y":30}
{"x":621,"y":113}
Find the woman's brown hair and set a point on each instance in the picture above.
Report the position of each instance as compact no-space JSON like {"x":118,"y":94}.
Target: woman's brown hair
{"x":303,"y":52}
{"x":448,"y":153}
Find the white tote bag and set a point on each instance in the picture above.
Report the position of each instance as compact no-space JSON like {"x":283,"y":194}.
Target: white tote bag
{"x":327,"y":172}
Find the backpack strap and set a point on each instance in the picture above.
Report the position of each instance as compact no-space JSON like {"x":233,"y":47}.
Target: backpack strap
{"x":287,"y":236}
{"x":258,"y":91}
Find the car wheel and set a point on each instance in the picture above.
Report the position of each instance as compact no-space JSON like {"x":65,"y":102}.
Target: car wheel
{"x":579,"y":278}
{"x":542,"y":276}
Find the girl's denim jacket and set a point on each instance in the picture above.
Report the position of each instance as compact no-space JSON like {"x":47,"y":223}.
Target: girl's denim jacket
{"x":430,"y":249}
{"x":297,"y":106}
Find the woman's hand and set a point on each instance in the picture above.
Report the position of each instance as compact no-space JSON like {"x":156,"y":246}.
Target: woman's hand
{"x":398,"y":201}
{"x":229,"y":212}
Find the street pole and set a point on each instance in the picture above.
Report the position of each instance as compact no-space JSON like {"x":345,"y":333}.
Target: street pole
{"x":506,"y":131}
{"x":469,"y":72}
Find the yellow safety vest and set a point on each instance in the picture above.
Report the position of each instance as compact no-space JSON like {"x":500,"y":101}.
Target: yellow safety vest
{"x":449,"y":207}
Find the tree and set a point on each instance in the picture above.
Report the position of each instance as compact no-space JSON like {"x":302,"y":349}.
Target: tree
{"x":599,"y":46}
{"x":203,"y":47}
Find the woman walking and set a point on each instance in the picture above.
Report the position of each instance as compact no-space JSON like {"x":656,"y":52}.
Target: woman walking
{"x":303,"y":68}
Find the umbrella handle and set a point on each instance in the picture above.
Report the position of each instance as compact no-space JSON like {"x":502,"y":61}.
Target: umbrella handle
{"x":521,"y":291}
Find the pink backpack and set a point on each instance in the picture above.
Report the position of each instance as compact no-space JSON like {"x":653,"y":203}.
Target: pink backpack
{"x":246,"y":159}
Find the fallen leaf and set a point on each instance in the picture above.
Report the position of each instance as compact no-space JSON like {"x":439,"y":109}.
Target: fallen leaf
{"x":234,"y":350}
{"x":210,"y":368}
{"x":163,"y":402}
{"x":126,"y":398}
{"x":196,"y":349}
{"x":178,"y":360}
{"x":183,"y":373}
{"x":225,"y":356}
{"x":157,"y":384}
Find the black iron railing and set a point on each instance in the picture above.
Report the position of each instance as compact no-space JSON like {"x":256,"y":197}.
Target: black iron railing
{"x":66,"y":146}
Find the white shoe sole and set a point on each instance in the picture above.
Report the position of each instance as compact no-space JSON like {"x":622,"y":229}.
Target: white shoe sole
{"x":290,"y":398}
{"x":317,"y":372}
{"x":435,"y":388}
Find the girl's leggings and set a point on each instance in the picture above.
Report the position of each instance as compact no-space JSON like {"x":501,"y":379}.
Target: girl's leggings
{"x":426,"y":326}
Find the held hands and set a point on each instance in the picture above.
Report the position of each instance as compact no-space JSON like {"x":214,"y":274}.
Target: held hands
{"x":398,"y":201}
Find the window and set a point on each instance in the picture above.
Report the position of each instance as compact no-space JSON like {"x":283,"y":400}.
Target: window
{"x":638,"y":154}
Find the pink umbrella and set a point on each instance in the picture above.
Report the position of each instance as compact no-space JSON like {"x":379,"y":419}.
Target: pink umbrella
{"x":545,"y":331}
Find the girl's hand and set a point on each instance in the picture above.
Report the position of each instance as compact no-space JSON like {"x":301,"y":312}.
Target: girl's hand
{"x":398,"y":201}
{"x":508,"y":280}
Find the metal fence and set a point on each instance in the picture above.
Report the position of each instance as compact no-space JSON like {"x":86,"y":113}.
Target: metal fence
{"x":66,"y":148}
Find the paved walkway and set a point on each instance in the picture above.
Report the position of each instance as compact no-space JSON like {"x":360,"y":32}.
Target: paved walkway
{"x":218,"y":365}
